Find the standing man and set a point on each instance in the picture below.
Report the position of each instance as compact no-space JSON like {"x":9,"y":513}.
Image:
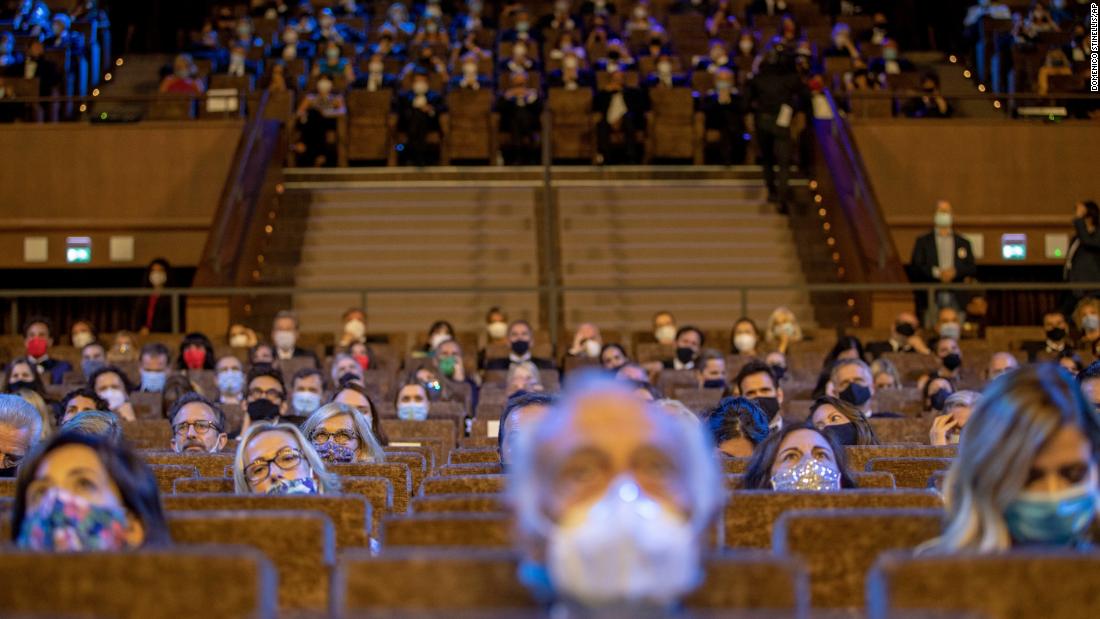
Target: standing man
{"x":774,"y":95}
{"x":942,"y":256}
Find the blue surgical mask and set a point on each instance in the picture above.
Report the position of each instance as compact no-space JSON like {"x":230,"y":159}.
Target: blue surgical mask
{"x":231,"y":382}
{"x":305,"y":402}
{"x":153,"y":381}
{"x":89,"y":366}
{"x":1090,"y":322}
{"x":1052,"y":518}
{"x":412,"y":411}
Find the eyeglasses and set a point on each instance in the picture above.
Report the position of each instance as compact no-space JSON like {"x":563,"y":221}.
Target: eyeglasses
{"x":201,"y":427}
{"x":258,"y":470}
{"x":341,"y":437}
{"x":270,"y":394}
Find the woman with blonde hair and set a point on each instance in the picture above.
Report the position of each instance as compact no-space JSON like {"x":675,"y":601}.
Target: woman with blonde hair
{"x":1087,"y":318}
{"x":277,"y":459}
{"x":884,"y":374}
{"x":1026,"y":473}
{"x":341,"y":434}
{"x":782,"y":329}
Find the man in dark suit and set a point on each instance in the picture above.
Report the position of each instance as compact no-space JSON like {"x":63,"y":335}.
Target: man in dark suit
{"x":418,"y":113}
{"x":775,"y":94}
{"x":904,"y":337}
{"x":519,"y":339}
{"x":724,"y":111}
{"x":284,"y":335}
{"x":1057,"y":340}
{"x":37,"y":338}
{"x":942,"y":256}
{"x":1083,"y":254}
{"x":621,"y":108}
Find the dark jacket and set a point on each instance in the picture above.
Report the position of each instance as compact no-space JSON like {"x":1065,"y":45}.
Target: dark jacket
{"x":924,"y":259}
{"x":1083,"y":256}
{"x":503,"y":363}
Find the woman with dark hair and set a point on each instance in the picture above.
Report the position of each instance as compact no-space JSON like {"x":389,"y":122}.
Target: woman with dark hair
{"x":84,"y":492}
{"x":1083,"y":255}
{"x":613,"y":357}
{"x":439,"y":332}
{"x":843,"y":421}
{"x":153,"y":313}
{"x":196,"y":353}
{"x":745,"y":338}
{"x":22,"y":374}
{"x":846,"y":347}
{"x":799,"y":457}
{"x":737,"y":425}
{"x":355,"y":395}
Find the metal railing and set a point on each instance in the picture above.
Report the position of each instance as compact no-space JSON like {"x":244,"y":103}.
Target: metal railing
{"x":128,"y":108}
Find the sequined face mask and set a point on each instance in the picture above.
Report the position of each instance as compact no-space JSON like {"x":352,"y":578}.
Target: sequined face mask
{"x":294,"y":486}
{"x":809,"y":474}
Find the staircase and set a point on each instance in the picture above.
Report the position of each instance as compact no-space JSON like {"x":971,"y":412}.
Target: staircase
{"x":465,"y":228}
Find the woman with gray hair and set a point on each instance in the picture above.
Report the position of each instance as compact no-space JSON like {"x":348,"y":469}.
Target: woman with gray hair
{"x":20,"y":431}
{"x":1026,"y":473}
{"x":948,"y":426}
{"x":341,"y":434}
{"x":277,"y":459}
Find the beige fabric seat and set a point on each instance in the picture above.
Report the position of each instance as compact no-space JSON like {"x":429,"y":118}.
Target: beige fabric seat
{"x":491,"y":530}
{"x":462,"y":484}
{"x":910,"y":472}
{"x":350,"y":515}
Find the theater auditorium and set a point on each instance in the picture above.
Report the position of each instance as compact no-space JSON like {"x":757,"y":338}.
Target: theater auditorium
{"x":549,"y":309}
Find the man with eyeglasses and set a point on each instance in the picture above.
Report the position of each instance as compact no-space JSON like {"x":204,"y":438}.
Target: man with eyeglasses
{"x":20,"y":428}
{"x":265,"y":396}
{"x":198,"y":425}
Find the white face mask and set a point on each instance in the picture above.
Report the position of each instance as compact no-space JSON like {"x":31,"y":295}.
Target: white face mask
{"x":355,"y":328}
{"x":82,"y":339}
{"x":376,"y":67}
{"x":665,"y":334}
{"x":592,"y":348}
{"x":942,"y":220}
{"x":113,"y":397}
{"x":324,"y":87}
{"x":497,"y":330}
{"x":158,"y":278}
{"x":420,"y":88}
{"x":438,"y":339}
{"x":284,"y":340}
{"x":239,"y":340}
{"x":746,"y":46}
{"x":625,"y":548}
{"x":744,"y":342}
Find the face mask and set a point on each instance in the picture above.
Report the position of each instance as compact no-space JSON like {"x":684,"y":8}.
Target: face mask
{"x":290,"y":38}
{"x":332,"y":54}
{"x":714,"y":383}
{"x":744,"y":342}
{"x":431,"y":27}
{"x":939,"y":399}
{"x":231,"y":382}
{"x":664,"y":68}
{"x":447,"y":366}
{"x":420,"y":88}
{"x":665,"y":334}
{"x":82,"y":339}
{"x":363,"y":361}
{"x":435,"y":340}
{"x":770,"y":406}
{"x":1052,"y":518}
{"x":412,"y":411}
{"x":324,"y":87}
{"x":153,"y":381}
{"x":9,"y":473}
{"x":684,"y":354}
{"x":890,"y":54}
{"x":194,"y":358}
{"x":113,"y":397}
{"x":952,"y":362}
{"x":305,"y":402}
{"x":20,"y":385}
{"x":951,"y":329}
{"x":293,"y":486}
{"x":520,"y":347}
{"x":469,"y":69}
{"x":64,"y":522}
{"x":571,"y":63}
{"x":1090,"y":322}
{"x":332,"y":453}
{"x":522,"y":26}
{"x":786,"y":329}
{"x":355,"y":328}
{"x":376,"y":68}
{"x":942,"y":220}
{"x":779,"y":371}
{"x":844,"y":433}
{"x":1056,"y":334}
{"x":856,"y":394}
{"x":625,"y":548}
{"x":497,"y":330}
{"x":37,"y":346}
{"x":158,"y":278}
{"x":347,"y":377}
{"x":284,"y":340}
{"x":905,"y":329}
{"x":262,"y":410}
{"x":239,"y":340}
{"x":746,"y":46}
{"x":236,"y":59}
{"x":592,"y":348}
{"x":90,"y":366}
{"x":810,"y":474}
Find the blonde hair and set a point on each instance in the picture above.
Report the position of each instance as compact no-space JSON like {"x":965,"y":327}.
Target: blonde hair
{"x":328,"y":483}
{"x":1079,"y":311}
{"x":34,"y":399}
{"x":531,"y":368}
{"x":368,"y":443}
{"x":885,"y":366}
{"x":781,"y":311}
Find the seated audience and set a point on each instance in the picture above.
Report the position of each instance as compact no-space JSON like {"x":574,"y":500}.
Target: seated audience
{"x":94,"y":423}
{"x":80,"y":492}
{"x":1026,"y":472}
{"x":930,"y":103}
{"x":523,"y":376}
{"x":306,"y":388}
{"x":183,"y":80}
{"x":229,"y":374}
{"x":112,"y":386}
{"x":520,"y":107}
{"x":745,"y":338}
{"x":341,"y":435}
{"x":737,"y":426}
{"x":798,"y":458}
{"x":37,"y":339}
{"x":412,"y":402}
{"x":576,"y":529}
{"x":885,"y":374}
{"x":950,"y":356}
{"x":756,"y":382}
{"x":519,"y":340}
{"x":711,"y":370}
{"x":265,"y":396}
{"x":947,"y":427}
{"x":935,"y":392}
{"x":724,"y":111}
{"x":319,"y":115}
{"x":613,"y":357}
{"x":521,"y":412}
{"x":274,"y":458}
{"x":843,"y":421}
{"x":20,"y":431}
{"x":782,"y":329}
{"x":22,"y":375}
{"x":154,"y":367}
{"x":689,"y":341}
{"x":1000,"y":363}
{"x":418,"y":113}
{"x":284,"y":335}
{"x":92,"y":357}
{"x":77,"y":401}
{"x":198,"y":425}
{"x":850,"y":380}
{"x":356,"y":396}
{"x":904,"y":337}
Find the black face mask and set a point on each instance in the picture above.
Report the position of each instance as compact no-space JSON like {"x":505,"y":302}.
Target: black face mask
{"x":856,"y":394}
{"x":20,"y":384}
{"x":952,"y":362}
{"x":716,"y":383}
{"x":939,"y":399}
{"x":845,"y":433}
{"x":684,"y":354}
{"x":347,"y":377}
{"x":9,"y":472}
{"x":905,"y":329}
{"x":770,"y":406}
{"x":262,"y":410}
{"x":1056,"y":334}
{"x":520,"y":347}
{"x":779,"y":370}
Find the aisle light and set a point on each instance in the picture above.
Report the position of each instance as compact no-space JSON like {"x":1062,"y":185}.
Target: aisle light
{"x":966,"y":73}
{"x":118,"y":63}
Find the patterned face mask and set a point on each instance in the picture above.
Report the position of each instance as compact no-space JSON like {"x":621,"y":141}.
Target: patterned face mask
{"x":64,"y":522}
{"x":294,"y":486}
{"x":333,"y":453}
{"x":807,"y":475}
